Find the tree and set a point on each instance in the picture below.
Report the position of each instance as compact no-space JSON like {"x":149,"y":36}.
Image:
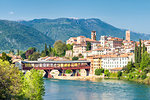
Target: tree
{"x":88,"y":47}
{"x":10,"y":81}
{"x":69,"y":46}
{"x":60,"y":48}
{"x":139,"y":52}
{"x":49,"y":50}
{"x":99,"y":71}
{"x":18,"y":53}
{"x":136,"y":53}
{"x":43,"y":54}
{"x":33,"y":85}
{"x":107,"y":73}
{"x":80,"y":55}
{"x":29,"y":52}
{"x":11,"y":52}
{"x":23,"y":55}
{"x":34,"y":56}
{"x":46,"y":50}
{"x":4,"y":57}
{"x":129,"y":67}
{"x":75,"y":58}
{"x":68,"y":71}
{"x":145,"y":60}
{"x":144,"y":48}
{"x":33,"y":48}
{"x":119,"y":74}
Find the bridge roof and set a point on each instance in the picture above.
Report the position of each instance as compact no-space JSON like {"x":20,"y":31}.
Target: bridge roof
{"x":58,"y":62}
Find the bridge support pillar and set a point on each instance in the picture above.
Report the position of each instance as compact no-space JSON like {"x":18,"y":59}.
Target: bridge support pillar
{"x":60,"y":72}
{"x":74,"y":72}
{"x":63,"y":73}
{"x":48,"y":75}
{"x":87,"y":72}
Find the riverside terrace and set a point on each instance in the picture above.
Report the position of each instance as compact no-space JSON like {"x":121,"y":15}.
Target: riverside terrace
{"x":61,"y":66}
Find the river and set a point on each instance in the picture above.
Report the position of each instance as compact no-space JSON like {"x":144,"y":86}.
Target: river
{"x":102,"y":89}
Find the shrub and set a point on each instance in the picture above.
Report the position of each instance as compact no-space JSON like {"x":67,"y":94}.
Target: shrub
{"x":130,"y":76}
{"x":75,"y":58}
{"x":143,"y":76}
{"x":97,"y":71}
{"x":102,"y":70}
{"x":68,"y":71}
{"x":119,"y":74}
{"x":107,"y":73}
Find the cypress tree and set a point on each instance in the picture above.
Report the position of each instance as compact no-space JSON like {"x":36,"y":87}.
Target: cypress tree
{"x":46,"y":49}
{"x":18,"y":52}
{"x":139,"y":55}
{"x":144,"y":48}
{"x":49,"y":48}
{"x":136,"y":53}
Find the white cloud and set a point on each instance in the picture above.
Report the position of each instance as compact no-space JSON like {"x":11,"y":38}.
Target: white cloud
{"x":11,"y":12}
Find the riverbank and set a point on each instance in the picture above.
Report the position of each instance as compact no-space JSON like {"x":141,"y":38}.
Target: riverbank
{"x":81,"y":78}
{"x":94,"y":78}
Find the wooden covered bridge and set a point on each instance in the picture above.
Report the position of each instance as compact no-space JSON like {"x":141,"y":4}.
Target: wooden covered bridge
{"x":61,"y":66}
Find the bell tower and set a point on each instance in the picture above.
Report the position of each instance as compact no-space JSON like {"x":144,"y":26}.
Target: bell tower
{"x":128,"y":35}
{"x":93,"y":35}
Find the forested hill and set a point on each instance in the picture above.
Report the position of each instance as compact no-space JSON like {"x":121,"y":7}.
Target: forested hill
{"x":14,"y":35}
{"x":37,"y":32}
{"x":64,"y":28}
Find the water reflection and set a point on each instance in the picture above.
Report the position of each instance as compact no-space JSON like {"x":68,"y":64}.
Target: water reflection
{"x":100,"y":89}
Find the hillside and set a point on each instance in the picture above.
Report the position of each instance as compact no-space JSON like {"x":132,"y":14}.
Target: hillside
{"x":14,"y":35}
{"x":64,"y":28}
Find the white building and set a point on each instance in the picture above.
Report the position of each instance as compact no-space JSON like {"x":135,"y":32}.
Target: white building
{"x":114,"y":61}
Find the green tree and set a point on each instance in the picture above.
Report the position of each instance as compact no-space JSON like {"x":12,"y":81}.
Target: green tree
{"x":80,"y":55}
{"x":33,"y":85}
{"x":10,"y":81}
{"x":129,"y":67}
{"x":144,"y":48}
{"x":88,"y":47}
{"x":34,"y":56}
{"x":69,"y":46}
{"x":60,"y":48}
{"x":23,"y":55}
{"x":33,"y":48}
{"x":68,"y":71}
{"x":119,"y":74}
{"x":139,"y":52}
{"x":18,"y":53}
{"x":98,"y":72}
{"x":107,"y":73}
{"x":49,"y":49}
{"x":145,"y":60}
{"x":46,"y":50}
{"x":11,"y":52}
{"x":136,"y":53}
{"x":4,"y":57}
{"x":75,"y":58}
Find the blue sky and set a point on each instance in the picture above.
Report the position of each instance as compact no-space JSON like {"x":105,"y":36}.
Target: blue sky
{"x":126,"y":14}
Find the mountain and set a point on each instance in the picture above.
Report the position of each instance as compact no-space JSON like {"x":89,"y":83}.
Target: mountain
{"x":37,"y":32}
{"x":14,"y":35}
{"x":64,"y":28}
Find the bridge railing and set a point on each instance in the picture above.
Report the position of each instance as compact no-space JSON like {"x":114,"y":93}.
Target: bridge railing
{"x":57,"y":66}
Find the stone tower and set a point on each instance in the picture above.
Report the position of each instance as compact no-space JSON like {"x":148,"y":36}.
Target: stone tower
{"x":93,"y":35}
{"x":128,"y":35}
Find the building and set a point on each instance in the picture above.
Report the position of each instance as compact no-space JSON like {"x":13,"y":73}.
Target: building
{"x":95,"y":64}
{"x":110,"y":62}
{"x":111,"y":42}
{"x":80,"y":44}
{"x":93,"y":35}
{"x":128,"y":35}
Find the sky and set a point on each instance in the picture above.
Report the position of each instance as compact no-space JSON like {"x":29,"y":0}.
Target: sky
{"x":126,"y":14}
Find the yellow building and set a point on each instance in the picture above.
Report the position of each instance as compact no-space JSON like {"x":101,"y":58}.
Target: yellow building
{"x":95,"y":64}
